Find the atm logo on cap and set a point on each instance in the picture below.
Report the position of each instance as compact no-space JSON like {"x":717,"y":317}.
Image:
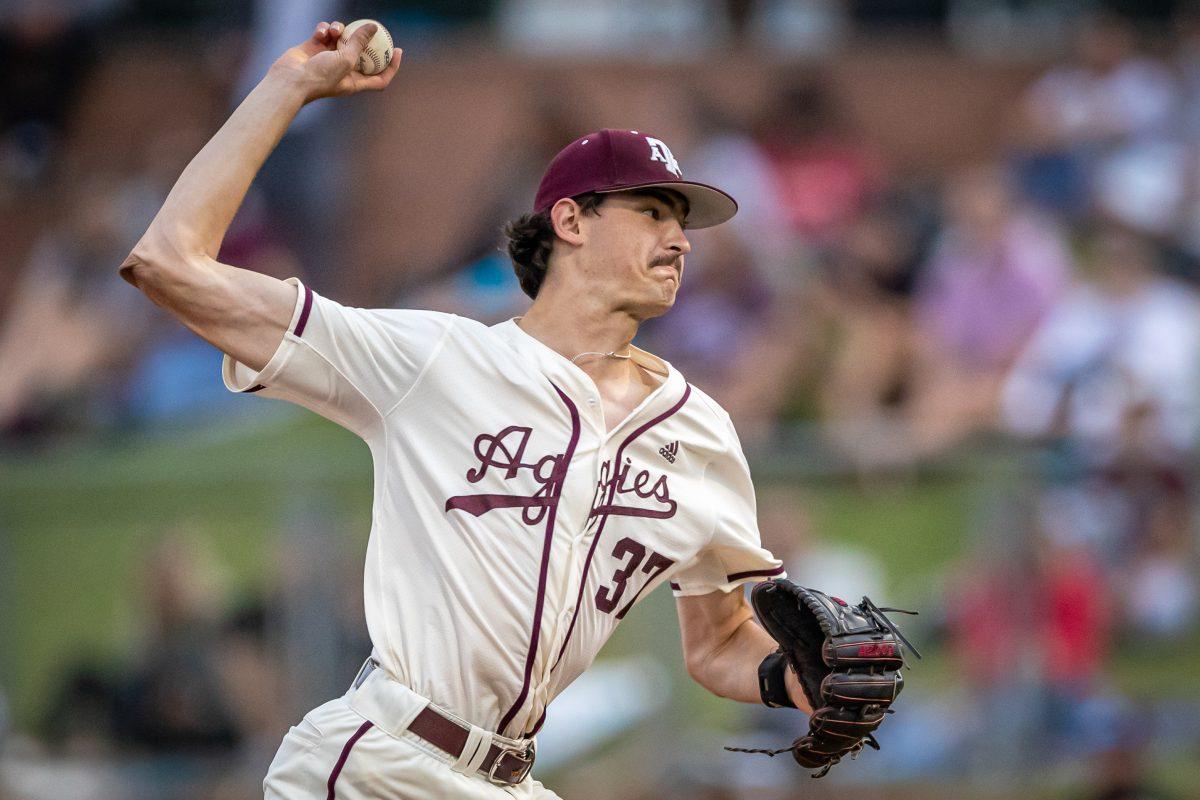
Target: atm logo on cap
{"x":660,"y":152}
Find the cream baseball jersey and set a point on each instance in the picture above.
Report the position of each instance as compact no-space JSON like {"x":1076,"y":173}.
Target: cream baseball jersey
{"x":511,"y":532}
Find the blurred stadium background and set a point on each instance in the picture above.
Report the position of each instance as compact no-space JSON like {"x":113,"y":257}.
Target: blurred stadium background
{"x":956,"y":321}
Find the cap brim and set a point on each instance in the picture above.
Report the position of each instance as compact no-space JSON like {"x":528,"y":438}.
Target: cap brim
{"x":707,"y":205}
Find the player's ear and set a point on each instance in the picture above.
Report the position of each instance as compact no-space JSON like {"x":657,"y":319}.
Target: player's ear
{"x":566,"y":216}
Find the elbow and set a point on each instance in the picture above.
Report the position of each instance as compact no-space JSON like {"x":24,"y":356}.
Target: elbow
{"x":153,"y":260}
{"x":706,"y":679}
{"x":699,"y":669}
{"x":138,"y":266}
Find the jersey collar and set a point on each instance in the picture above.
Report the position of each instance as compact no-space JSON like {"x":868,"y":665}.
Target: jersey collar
{"x":572,"y":379}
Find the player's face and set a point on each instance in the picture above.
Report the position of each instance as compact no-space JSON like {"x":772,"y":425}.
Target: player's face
{"x":639,"y":247}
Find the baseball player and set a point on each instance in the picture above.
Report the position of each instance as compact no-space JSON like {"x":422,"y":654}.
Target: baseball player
{"x":534,"y":480}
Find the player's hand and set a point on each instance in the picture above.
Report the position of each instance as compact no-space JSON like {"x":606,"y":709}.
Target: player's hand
{"x":325,"y":64}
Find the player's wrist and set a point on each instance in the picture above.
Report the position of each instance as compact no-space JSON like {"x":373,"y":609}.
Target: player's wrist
{"x":291,"y":81}
{"x":772,"y":681}
{"x":795,"y":691}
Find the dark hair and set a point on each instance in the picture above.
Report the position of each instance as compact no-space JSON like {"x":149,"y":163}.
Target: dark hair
{"x":530,"y":240}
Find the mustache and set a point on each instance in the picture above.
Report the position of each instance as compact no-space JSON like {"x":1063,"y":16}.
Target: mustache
{"x":666,"y":261}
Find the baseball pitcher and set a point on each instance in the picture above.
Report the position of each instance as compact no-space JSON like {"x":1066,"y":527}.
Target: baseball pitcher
{"x":534,"y":480}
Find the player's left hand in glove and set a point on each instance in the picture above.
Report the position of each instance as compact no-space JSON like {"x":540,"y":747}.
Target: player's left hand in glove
{"x":848,"y":661}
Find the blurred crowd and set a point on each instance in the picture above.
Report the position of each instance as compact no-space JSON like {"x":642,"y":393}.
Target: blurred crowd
{"x":196,"y":705}
{"x":1044,"y":297}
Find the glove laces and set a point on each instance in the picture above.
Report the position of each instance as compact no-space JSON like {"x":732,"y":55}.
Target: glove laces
{"x":877,"y":614}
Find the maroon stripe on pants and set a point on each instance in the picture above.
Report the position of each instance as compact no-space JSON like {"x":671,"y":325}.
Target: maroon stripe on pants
{"x":341,"y":762}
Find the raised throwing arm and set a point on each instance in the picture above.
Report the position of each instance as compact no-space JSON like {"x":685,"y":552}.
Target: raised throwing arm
{"x":241,"y":312}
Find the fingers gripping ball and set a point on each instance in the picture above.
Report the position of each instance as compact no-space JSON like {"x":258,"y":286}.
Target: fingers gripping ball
{"x":848,"y":659}
{"x":377,"y":54}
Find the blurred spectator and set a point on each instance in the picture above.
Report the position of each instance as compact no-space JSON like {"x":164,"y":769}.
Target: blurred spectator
{"x":993,"y":647}
{"x":1117,"y":362}
{"x":1119,"y":770}
{"x":1103,"y":127}
{"x":824,"y":174}
{"x":1073,"y":621}
{"x":81,"y":714}
{"x":1162,"y":592}
{"x":994,"y":273}
{"x":174,"y":700}
{"x":865,"y":299}
{"x":73,"y":328}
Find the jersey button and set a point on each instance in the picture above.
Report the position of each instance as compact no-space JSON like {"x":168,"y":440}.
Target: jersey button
{"x":592,"y":401}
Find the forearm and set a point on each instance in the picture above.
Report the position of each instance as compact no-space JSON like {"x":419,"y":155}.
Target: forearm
{"x":731,"y":669}
{"x":201,"y":206}
{"x":241,"y":312}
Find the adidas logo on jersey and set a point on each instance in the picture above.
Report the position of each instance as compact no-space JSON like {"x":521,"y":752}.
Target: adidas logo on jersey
{"x":669,"y":451}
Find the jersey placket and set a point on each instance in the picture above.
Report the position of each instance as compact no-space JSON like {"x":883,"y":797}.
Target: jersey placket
{"x":582,"y":545}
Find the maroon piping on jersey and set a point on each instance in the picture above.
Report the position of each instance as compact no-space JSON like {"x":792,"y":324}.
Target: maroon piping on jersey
{"x":299,"y":331}
{"x":737,"y":576}
{"x":304,"y":312}
{"x":755,"y":573}
{"x":341,"y":762}
{"x":612,"y":491}
{"x":557,"y":479}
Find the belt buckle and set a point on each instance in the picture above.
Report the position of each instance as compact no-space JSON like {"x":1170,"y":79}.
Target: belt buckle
{"x":527,"y":756}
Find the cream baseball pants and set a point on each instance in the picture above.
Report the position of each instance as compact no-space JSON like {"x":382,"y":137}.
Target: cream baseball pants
{"x":357,"y":747}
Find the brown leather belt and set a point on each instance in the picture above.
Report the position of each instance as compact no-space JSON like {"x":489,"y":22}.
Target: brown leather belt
{"x":502,"y":765}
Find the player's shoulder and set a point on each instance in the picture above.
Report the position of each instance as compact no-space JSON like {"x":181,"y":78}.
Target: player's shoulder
{"x":706,"y":406}
{"x":467,"y":333}
{"x":452,"y":324}
{"x":401,"y":316}
{"x":708,"y":425}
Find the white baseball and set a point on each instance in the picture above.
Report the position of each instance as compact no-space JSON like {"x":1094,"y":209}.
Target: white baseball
{"x":378,"y":53}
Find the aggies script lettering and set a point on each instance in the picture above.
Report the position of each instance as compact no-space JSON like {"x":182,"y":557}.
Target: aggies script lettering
{"x":619,"y":492}
{"x":505,"y":451}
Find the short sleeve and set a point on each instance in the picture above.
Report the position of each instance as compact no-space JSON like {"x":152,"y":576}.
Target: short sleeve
{"x":734,"y":554}
{"x":350,"y":365}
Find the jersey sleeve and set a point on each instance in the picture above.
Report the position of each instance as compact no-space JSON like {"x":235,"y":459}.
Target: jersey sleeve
{"x":734,"y":554}
{"x":350,"y":365}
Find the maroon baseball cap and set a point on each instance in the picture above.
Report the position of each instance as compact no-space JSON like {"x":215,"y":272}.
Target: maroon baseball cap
{"x":619,"y":160}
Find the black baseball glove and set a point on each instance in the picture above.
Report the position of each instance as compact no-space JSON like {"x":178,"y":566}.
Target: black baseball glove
{"x":848,"y":659}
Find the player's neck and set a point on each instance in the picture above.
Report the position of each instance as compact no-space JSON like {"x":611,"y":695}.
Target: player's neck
{"x":572,"y":332}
